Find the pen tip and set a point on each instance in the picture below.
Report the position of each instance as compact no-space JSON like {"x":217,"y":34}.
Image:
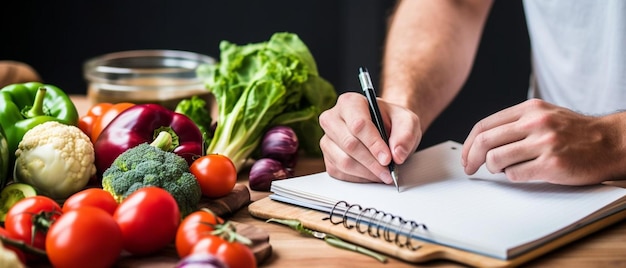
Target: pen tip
{"x":362,"y":70}
{"x":394,"y":176}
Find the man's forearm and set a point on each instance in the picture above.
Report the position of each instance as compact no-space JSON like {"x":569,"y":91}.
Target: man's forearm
{"x":429,"y":52}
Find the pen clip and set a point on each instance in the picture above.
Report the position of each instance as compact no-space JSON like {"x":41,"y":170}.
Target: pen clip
{"x":370,"y":94}
{"x":365,"y":79}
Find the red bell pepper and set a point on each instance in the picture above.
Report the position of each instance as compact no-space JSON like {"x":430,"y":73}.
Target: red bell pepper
{"x":99,"y":116}
{"x":142,"y":123}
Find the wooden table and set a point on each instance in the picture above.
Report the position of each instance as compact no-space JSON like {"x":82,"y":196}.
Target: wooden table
{"x":606,"y":248}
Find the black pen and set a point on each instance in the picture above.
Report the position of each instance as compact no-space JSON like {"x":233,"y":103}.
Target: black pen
{"x":370,"y":94}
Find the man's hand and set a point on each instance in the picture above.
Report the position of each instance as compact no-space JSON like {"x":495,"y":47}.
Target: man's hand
{"x":536,"y":140}
{"x":352,"y":147}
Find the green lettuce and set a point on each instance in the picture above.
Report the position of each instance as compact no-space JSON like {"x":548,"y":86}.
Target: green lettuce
{"x":260,"y":85}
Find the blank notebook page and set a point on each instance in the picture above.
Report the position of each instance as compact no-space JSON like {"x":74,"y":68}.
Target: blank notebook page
{"x":482,"y":213}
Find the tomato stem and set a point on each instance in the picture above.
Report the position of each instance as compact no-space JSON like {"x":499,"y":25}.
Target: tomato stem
{"x":41,"y":222}
{"x":226,"y":230}
{"x":229,"y":233}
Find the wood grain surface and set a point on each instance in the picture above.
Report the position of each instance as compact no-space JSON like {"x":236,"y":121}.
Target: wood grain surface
{"x":424,"y":252}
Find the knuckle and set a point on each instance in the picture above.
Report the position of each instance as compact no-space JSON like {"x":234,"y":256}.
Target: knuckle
{"x":544,"y":119}
{"x":534,"y":104}
{"x":513,"y":175}
{"x":556,"y":163}
{"x":335,"y":167}
{"x":325,"y":144}
{"x":481,"y":140}
{"x":332,"y":170}
{"x":350,"y":143}
{"x":376,"y":143}
{"x":492,"y":157}
{"x":414,"y":119}
{"x":417,"y":123}
{"x":357,"y":125}
{"x":324,"y":118}
{"x":551,"y":142}
{"x":479,"y":126}
{"x":550,"y":139}
{"x":350,"y":97}
{"x":492,"y":161}
{"x":344,"y":163}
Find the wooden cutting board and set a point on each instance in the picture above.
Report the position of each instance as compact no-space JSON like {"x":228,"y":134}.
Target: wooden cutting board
{"x":226,"y":206}
{"x":267,"y":208}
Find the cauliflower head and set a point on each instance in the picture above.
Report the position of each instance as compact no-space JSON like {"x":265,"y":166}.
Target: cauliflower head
{"x":8,"y":258}
{"x":55,"y":158}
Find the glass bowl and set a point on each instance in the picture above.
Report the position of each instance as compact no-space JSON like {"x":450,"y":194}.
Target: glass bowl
{"x":145,"y":76}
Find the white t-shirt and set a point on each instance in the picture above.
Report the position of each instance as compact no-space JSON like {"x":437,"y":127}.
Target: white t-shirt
{"x":578,"y":50}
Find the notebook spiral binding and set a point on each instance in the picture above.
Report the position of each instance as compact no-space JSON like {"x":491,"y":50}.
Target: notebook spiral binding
{"x":376,"y":221}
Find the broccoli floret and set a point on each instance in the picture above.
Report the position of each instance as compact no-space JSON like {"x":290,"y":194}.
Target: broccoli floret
{"x":147,"y":165}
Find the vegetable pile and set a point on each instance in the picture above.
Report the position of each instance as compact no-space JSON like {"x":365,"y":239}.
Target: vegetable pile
{"x":130,"y":177}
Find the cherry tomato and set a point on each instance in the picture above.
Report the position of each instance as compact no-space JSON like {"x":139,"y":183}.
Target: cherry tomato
{"x":216,"y":174}
{"x":195,"y":226}
{"x":85,"y":236}
{"x":233,"y":254}
{"x":37,"y":212}
{"x":95,"y":197}
{"x":20,"y":255}
{"x":148,"y":218}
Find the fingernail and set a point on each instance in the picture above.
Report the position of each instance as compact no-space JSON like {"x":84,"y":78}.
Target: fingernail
{"x":382,"y":157}
{"x":401,"y":153}
{"x":385,"y":177}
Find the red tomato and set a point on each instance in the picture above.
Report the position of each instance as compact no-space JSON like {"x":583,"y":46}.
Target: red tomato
{"x":149,"y":218}
{"x":85,"y":236}
{"x":20,"y":255}
{"x":233,"y":254}
{"x":195,"y":226}
{"x":94,"y":197}
{"x":216,"y":174}
{"x":38,"y":211}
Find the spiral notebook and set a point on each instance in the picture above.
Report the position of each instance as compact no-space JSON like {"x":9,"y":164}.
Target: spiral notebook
{"x":438,"y":203}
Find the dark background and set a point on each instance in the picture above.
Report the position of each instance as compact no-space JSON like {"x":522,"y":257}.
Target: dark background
{"x":56,"y":37}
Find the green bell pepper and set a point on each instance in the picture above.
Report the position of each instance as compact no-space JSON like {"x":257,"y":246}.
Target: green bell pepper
{"x":4,"y":159}
{"x":23,"y":106}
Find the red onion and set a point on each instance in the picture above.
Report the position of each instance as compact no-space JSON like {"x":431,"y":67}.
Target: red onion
{"x":266,"y":170}
{"x":200,"y":260}
{"x":280,"y":143}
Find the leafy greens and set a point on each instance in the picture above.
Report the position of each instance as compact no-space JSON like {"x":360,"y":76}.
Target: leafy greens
{"x":260,"y":85}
